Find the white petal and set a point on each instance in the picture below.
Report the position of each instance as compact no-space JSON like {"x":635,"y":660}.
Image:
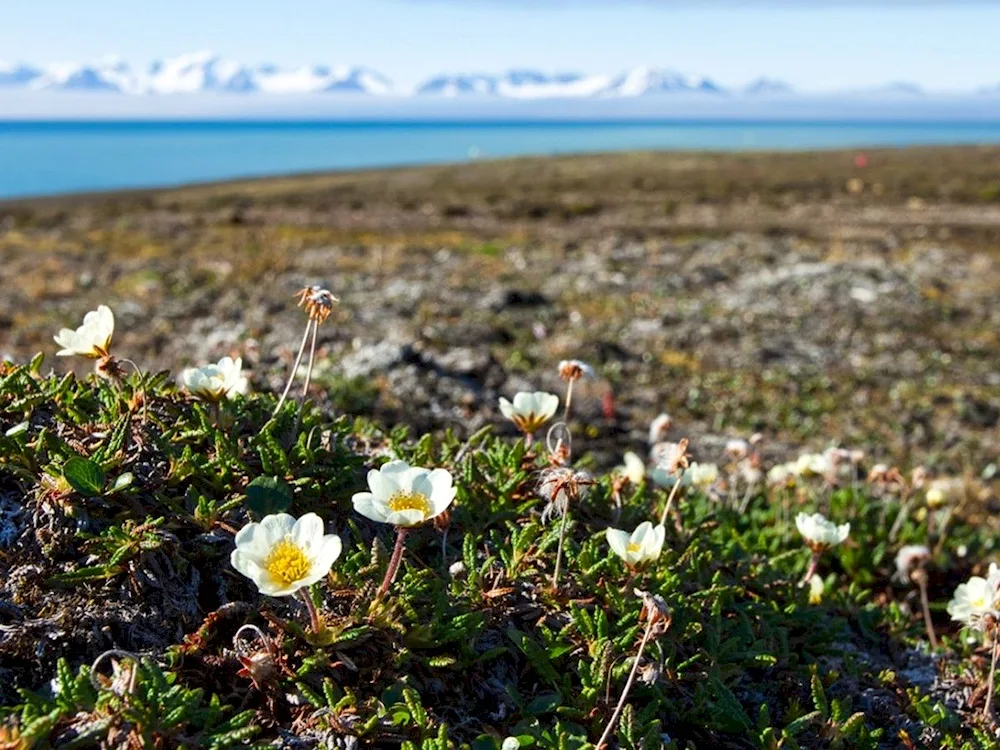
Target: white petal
{"x":364,"y":503}
{"x":409,"y":517}
{"x":442,"y":490}
{"x":618,"y":540}
{"x":307,"y":533}
{"x":326,"y":554}
{"x":506,"y":408}
{"x":277,"y":526}
{"x":640,"y":532}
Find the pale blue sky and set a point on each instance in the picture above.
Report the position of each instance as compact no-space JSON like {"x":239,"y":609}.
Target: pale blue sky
{"x":811,"y":44}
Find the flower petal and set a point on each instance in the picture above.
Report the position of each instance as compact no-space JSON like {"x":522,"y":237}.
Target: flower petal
{"x":365,"y":504}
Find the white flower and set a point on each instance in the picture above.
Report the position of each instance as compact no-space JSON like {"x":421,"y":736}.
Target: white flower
{"x":811,"y":464}
{"x":641,"y":546}
{"x":701,"y":476}
{"x":405,"y":495}
{"x":529,"y":411}
{"x":282,"y":555}
{"x":909,"y":557}
{"x":780,"y":475}
{"x":510,"y":743}
{"x":634,"y":468}
{"x":92,"y":339}
{"x":216,"y":382}
{"x":976,"y":598}
{"x":819,"y":533}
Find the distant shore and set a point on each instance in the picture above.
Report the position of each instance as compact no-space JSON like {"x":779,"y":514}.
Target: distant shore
{"x":62,"y":157}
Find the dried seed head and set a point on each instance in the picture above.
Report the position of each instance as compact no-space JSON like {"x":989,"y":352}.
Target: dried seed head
{"x":559,"y":486}
{"x":260,"y":656}
{"x":659,"y":428}
{"x":737,"y":449}
{"x":574,"y":369}
{"x":318,"y":302}
{"x":109,"y":368}
{"x":655,"y":610}
{"x":671,"y":457}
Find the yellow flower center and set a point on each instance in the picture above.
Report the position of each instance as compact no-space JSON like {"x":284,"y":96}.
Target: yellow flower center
{"x":409,"y":500}
{"x":979,"y":603}
{"x":634,"y":547}
{"x":287,"y":563}
{"x":529,"y":422}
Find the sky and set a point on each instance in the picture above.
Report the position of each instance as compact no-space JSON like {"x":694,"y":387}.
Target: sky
{"x":814,"y":45}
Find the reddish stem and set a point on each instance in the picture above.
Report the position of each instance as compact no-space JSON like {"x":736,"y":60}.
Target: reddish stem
{"x":394,"y":561}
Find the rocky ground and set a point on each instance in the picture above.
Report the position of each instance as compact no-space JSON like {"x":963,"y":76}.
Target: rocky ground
{"x":797,"y":295}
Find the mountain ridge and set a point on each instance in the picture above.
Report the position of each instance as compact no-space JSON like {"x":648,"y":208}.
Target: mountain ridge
{"x":206,"y":72}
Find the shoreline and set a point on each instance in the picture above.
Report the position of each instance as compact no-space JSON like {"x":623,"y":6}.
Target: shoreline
{"x":317,"y":178}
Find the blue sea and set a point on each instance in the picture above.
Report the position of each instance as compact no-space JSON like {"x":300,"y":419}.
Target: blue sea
{"x":41,"y":158}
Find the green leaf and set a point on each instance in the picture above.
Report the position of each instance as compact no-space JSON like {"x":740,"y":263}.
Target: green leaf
{"x":122,"y":481}
{"x":543,"y":704}
{"x":267,"y":495}
{"x":85,"y":476}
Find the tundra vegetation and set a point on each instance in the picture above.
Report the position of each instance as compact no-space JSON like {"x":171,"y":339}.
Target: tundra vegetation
{"x":451,"y":513}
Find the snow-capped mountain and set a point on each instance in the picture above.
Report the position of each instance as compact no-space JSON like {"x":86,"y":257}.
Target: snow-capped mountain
{"x":532,"y":84}
{"x":205,"y":72}
{"x":767,"y":87}
{"x":646,"y":81}
{"x":515,"y":84}
{"x":15,"y":74}
{"x":107,"y":74}
{"x":193,"y":73}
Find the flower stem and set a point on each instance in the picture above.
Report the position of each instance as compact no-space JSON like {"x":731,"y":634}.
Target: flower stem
{"x":628,"y":686}
{"x":921,"y":577}
{"x":305,"y":387}
{"x":813,"y":565}
{"x":670,"y":501}
{"x":528,"y":439}
{"x":397,"y":557}
{"x":559,"y":550}
{"x":988,"y":708}
{"x":295,"y":369}
{"x":314,"y":622}
{"x":569,"y":401}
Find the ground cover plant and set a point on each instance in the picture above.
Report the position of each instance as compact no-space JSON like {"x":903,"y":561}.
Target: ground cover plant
{"x":799,"y":556}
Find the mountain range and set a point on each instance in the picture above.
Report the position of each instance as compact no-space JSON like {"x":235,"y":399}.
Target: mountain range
{"x":206,"y":72}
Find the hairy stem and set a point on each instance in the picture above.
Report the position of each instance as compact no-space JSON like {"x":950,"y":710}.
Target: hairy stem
{"x":921,"y":578}
{"x":813,"y":565}
{"x":670,"y":501}
{"x":314,"y":622}
{"x":559,"y":550}
{"x":295,"y":369}
{"x":305,"y":386}
{"x":628,"y":686}
{"x":569,"y":401}
{"x":988,"y":708}
{"x":394,"y":561}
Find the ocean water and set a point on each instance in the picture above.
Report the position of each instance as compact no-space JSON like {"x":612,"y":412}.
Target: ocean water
{"x":40,"y":158}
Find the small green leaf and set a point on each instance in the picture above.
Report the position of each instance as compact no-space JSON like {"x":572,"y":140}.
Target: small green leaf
{"x":543,"y":704}
{"x":267,"y":495}
{"x":85,"y":476}
{"x":17,"y":429}
{"x":122,"y":481}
